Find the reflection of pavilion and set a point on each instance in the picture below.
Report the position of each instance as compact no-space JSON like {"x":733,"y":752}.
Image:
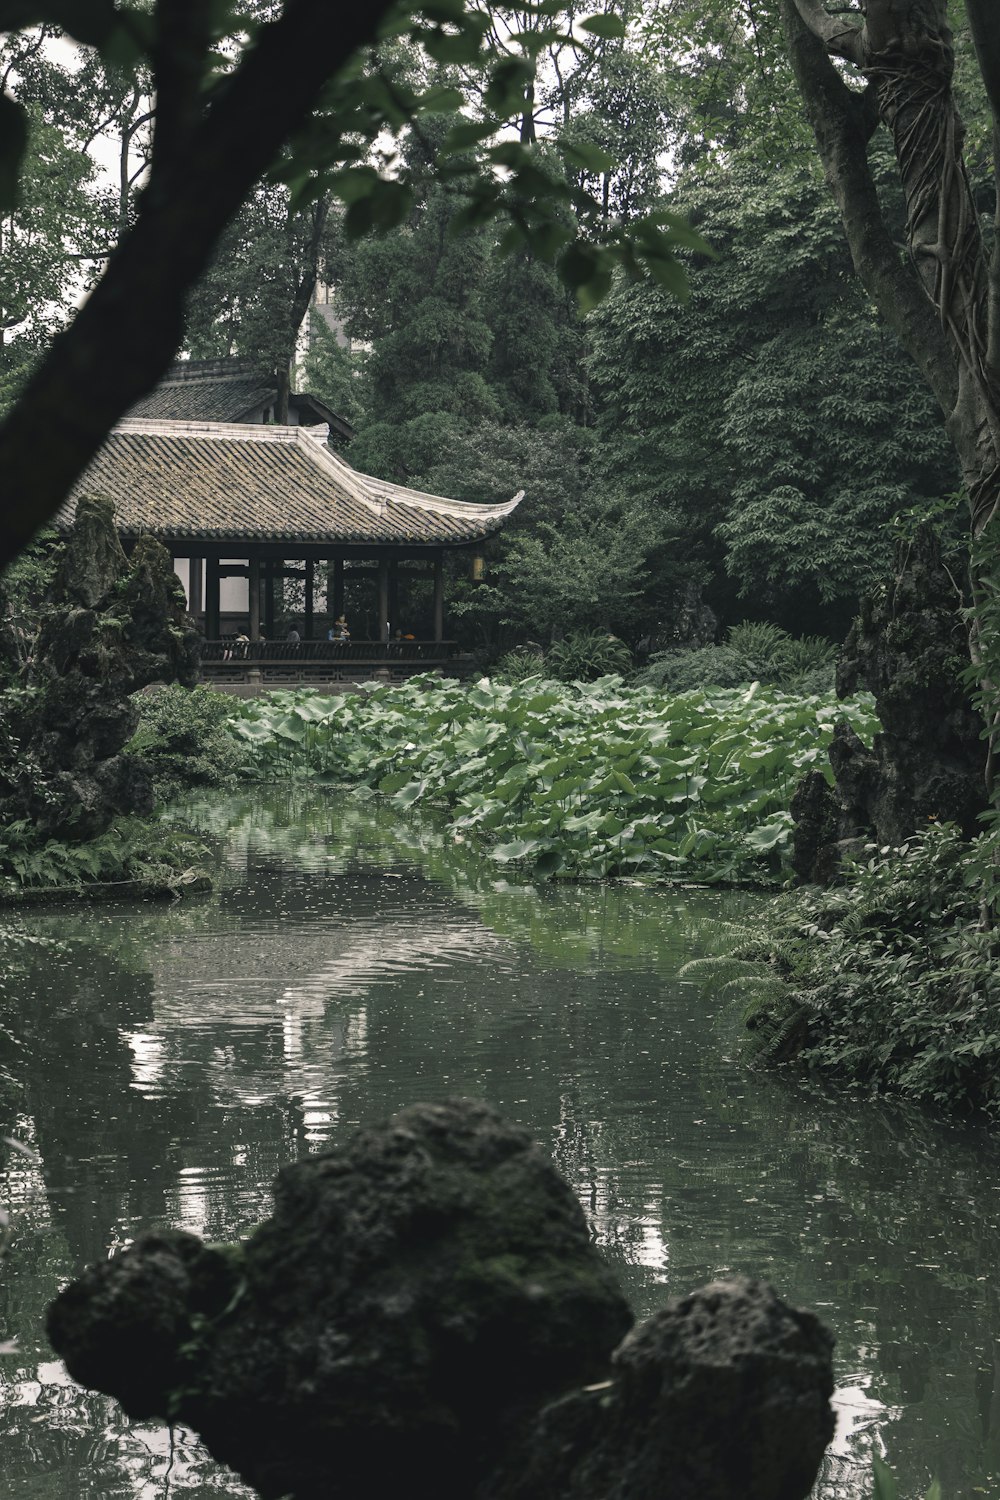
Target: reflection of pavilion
{"x":284,"y":1039}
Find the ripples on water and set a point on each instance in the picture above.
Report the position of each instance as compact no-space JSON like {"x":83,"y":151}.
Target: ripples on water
{"x":351,"y":962}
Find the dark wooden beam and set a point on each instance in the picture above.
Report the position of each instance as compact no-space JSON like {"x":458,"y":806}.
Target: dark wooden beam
{"x":196,"y":595}
{"x":383,"y":598}
{"x":310,"y":589}
{"x":212,"y":591}
{"x":439,"y":597}
{"x":255,"y":598}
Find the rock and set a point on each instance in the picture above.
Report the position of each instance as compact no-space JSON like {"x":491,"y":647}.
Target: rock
{"x":426,"y":1301}
{"x":908,"y":647}
{"x":414,"y":1293}
{"x":111,"y":625}
{"x":724,"y":1395}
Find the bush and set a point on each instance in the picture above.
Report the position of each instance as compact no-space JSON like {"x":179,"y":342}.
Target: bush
{"x":581,"y":656}
{"x":132,"y":850}
{"x":184,"y":737}
{"x":753,"y":652}
{"x":890,"y":980}
{"x":586,"y":655}
{"x":518,"y":665}
{"x":681,"y":671}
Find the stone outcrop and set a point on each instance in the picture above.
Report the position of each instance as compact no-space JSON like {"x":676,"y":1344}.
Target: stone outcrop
{"x":426,"y":1301}
{"x":723,"y":1394}
{"x":111,"y":625}
{"x":907,"y":647}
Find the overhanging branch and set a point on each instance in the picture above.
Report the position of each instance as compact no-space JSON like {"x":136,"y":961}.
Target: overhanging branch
{"x":125,"y":335}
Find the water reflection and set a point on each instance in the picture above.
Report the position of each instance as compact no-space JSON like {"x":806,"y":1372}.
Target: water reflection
{"x":351,"y":961}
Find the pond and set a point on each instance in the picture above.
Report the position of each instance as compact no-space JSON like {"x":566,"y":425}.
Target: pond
{"x":351,"y":961}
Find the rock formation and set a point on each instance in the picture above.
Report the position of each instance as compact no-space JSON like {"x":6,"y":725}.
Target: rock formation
{"x":908,"y":647}
{"x":111,"y":625}
{"x":427,"y":1302}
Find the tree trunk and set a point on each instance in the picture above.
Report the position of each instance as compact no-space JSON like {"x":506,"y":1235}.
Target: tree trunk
{"x":942,"y":306}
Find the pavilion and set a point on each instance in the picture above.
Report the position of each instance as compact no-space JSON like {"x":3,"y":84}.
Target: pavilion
{"x":236,"y":501}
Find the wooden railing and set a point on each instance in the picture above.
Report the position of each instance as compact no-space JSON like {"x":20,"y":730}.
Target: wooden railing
{"x":229,"y":659}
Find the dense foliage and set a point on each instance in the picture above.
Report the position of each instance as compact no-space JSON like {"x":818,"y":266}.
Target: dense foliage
{"x":184,"y":738}
{"x":751,"y":652}
{"x":579,"y":781}
{"x":889,"y":981}
{"x":135,"y":857}
{"x":736,"y":417}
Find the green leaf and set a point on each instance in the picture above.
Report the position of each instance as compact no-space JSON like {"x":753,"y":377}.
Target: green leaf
{"x":509,"y":79}
{"x":447,"y":47}
{"x":516,"y":849}
{"x":603,"y":26}
{"x":884,"y":1480}
{"x":586,"y":155}
{"x":441,"y":101}
{"x":766,"y":836}
{"x":468,"y":133}
{"x":668,"y":273}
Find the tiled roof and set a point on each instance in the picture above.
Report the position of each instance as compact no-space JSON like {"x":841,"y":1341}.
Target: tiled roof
{"x":227,"y":390}
{"x":212,"y":399}
{"x":237,"y":482}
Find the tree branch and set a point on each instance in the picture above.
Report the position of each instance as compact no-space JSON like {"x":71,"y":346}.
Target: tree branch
{"x":842,"y":38}
{"x":179,"y":55}
{"x":842,"y":122}
{"x":125,"y":335}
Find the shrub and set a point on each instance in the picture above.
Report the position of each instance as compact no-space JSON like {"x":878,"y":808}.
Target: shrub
{"x":518,"y":665}
{"x":681,"y":671}
{"x":131,"y":850}
{"x":185,"y":739}
{"x":754,"y":651}
{"x":890,"y":980}
{"x":586,"y":655}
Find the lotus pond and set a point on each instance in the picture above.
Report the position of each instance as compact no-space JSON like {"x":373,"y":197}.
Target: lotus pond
{"x":580,"y":781}
{"x":353,"y":958}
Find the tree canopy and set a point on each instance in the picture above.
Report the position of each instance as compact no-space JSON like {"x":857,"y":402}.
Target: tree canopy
{"x":332,"y":106}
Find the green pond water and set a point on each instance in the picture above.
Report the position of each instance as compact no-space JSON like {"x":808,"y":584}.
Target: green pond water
{"x":351,"y":961}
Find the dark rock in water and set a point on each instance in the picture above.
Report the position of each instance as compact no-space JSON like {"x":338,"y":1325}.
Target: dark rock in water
{"x":422,"y":1312}
{"x":908,"y":647}
{"x":111,"y":625}
{"x":724,"y":1395}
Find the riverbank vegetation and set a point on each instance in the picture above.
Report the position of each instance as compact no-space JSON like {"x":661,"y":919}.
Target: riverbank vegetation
{"x":889,"y":981}
{"x":580,"y":781}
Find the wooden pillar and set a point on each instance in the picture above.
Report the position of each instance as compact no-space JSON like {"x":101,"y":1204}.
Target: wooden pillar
{"x":394,"y":621}
{"x":336,"y":588}
{"x":269,"y":598}
{"x":212,"y":591}
{"x":439,"y":596}
{"x":195,"y":592}
{"x":254,"y":599}
{"x":383,"y":598}
{"x":310,"y":589}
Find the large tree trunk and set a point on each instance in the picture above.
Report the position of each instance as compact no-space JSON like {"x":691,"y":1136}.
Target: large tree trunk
{"x":943,"y":305}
